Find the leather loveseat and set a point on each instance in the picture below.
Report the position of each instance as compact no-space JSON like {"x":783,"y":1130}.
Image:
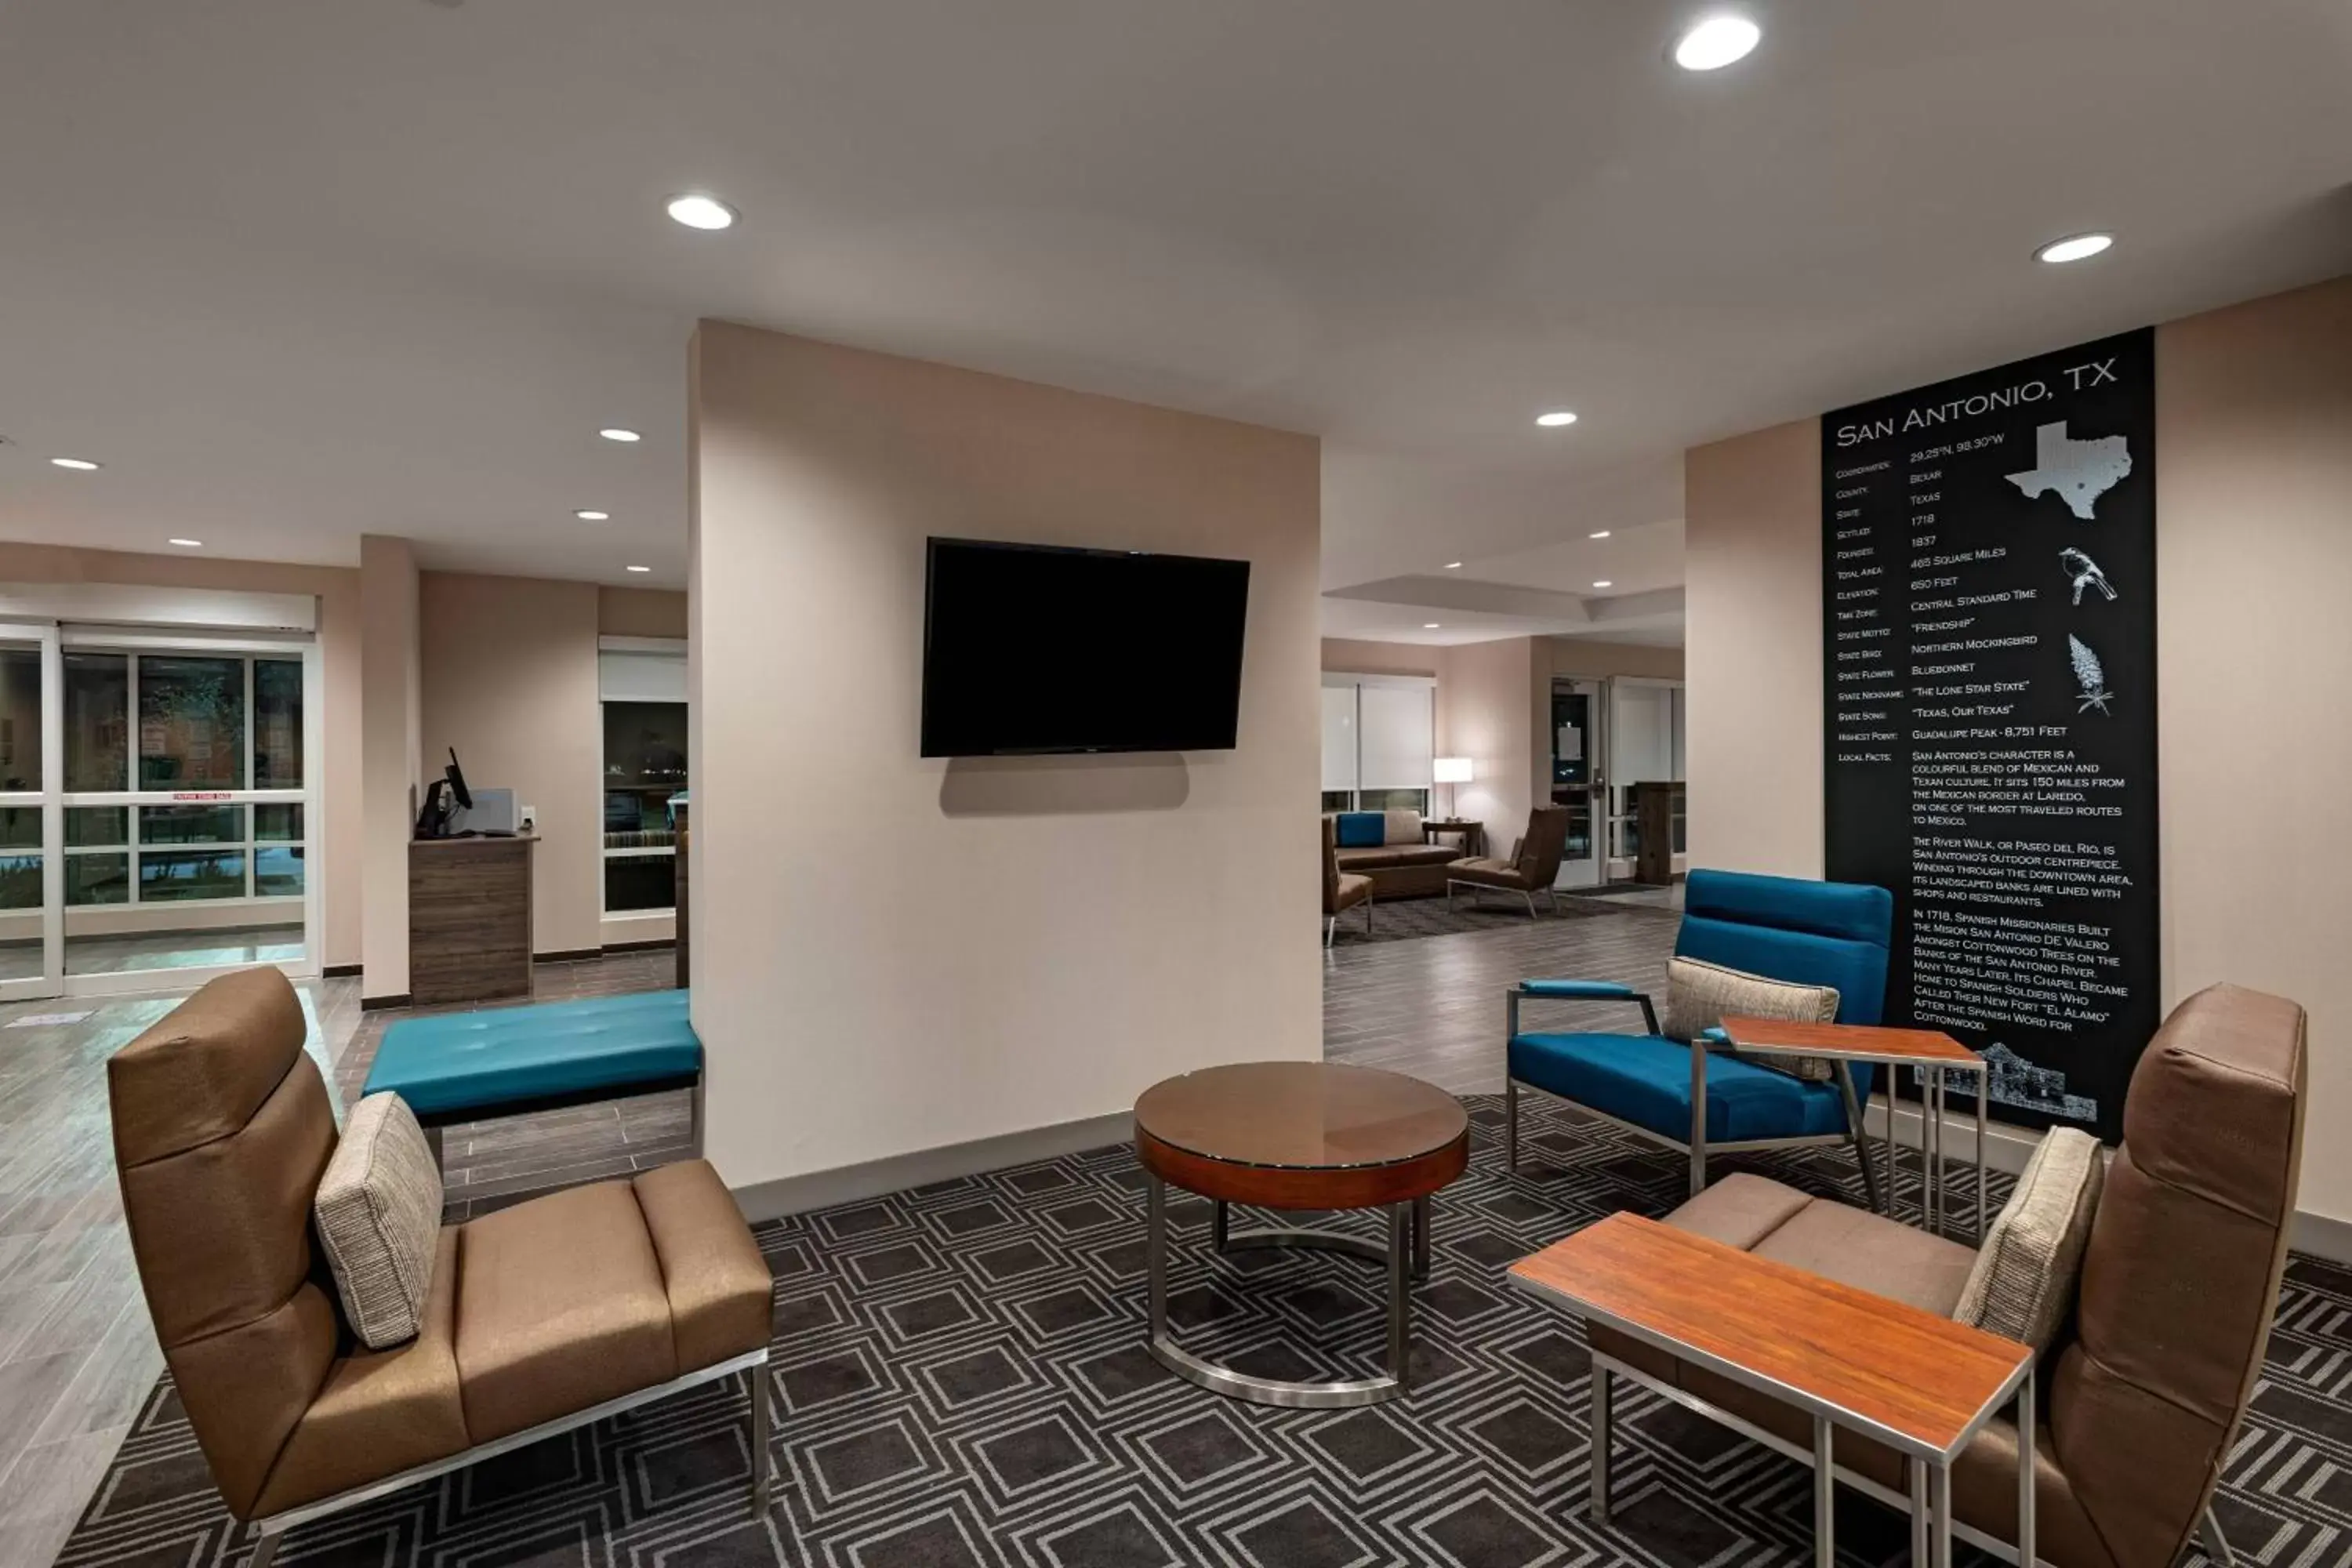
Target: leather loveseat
{"x":1404,"y":864}
{"x":2178,"y":1283}
{"x":540,"y":1317}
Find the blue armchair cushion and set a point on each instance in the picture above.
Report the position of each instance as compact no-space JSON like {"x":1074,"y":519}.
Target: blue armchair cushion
{"x":1361,"y":830}
{"x":1583,"y":989}
{"x":1645,"y":1079}
{"x":1808,"y":933}
{"x":452,"y":1062}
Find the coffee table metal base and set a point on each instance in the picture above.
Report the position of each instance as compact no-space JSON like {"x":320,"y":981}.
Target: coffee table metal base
{"x":1406,"y":1253}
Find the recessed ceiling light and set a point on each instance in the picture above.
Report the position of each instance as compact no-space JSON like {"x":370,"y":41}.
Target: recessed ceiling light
{"x":593,"y":516}
{"x":1555,"y":419}
{"x":1453,"y":566}
{"x":82,"y":464}
{"x":640,"y":568}
{"x":615,"y":432}
{"x":702,"y":212}
{"x":2075,"y":247}
{"x":1605,"y":582}
{"x":188,"y":544}
{"x":1715,"y":42}
{"x":1598,"y":533}
{"x":1429,"y":625}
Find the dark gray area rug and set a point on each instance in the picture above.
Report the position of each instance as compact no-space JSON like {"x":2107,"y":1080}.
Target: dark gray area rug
{"x":963,"y":1384}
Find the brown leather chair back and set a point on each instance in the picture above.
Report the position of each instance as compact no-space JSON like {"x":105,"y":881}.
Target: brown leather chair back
{"x":1330,"y":867}
{"x":2181,"y":1275}
{"x":1545,"y":844}
{"x":222,"y":1129}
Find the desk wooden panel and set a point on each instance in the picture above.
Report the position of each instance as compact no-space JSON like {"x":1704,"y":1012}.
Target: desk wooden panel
{"x":469,"y":933}
{"x":1924,"y":1379}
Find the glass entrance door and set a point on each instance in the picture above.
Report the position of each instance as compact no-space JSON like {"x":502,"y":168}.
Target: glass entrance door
{"x":156,"y":809}
{"x":1578,"y":717}
{"x":30,"y":730}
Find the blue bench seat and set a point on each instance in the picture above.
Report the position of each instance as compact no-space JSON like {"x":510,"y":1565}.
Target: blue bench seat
{"x":449,"y":1067}
{"x":1645,"y":1079}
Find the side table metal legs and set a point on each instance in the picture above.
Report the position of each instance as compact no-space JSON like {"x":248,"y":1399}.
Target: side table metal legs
{"x":1918,"y":1473}
{"x":1603,"y":1397}
{"x":1405,"y":1254}
{"x":1825,"y":1496}
{"x":2025,"y":1425}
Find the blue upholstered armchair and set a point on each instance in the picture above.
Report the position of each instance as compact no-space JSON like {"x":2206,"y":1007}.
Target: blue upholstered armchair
{"x":1698,"y":1097}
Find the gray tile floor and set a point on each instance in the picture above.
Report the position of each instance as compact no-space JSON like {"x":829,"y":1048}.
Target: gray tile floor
{"x":77,"y":1354}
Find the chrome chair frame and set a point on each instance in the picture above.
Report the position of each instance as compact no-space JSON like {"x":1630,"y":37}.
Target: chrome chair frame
{"x":761,"y":1390}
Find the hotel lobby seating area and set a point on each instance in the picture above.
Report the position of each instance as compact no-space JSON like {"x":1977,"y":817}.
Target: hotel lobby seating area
{"x":659,"y":673}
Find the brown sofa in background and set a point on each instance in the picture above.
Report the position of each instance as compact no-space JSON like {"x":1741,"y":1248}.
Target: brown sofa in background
{"x":1404,"y":865}
{"x":2177,"y":1288}
{"x":541,"y":1317}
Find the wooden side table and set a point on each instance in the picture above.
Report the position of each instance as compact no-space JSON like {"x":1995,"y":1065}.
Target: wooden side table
{"x":1932,"y":1051}
{"x":1299,"y":1135}
{"x":1473,"y":834}
{"x":1919,"y":1383}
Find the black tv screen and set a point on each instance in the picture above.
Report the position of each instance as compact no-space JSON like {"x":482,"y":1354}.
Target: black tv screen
{"x":1030,"y":649}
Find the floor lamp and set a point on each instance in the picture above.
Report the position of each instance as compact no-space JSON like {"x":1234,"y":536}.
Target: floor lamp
{"x":1450,"y":772}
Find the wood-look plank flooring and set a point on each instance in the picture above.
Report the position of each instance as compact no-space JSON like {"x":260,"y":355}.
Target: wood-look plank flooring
{"x":77,"y":1356}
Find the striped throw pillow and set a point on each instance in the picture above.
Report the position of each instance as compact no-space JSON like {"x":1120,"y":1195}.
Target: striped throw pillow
{"x":378,"y":1210}
{"x":2023,"y":1282}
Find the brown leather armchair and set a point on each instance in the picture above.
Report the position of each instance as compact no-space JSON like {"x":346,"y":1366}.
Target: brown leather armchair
{"x":1533,"y":865}
{"x":542,"y":1317}
{"x":2178,"y":1285}
{"x":1341,"y":890}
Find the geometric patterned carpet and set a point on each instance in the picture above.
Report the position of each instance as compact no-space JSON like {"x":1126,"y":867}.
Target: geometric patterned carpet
{"x":963,"y":1383}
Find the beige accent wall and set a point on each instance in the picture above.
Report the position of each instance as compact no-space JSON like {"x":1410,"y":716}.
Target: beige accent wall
{"x":2253,"y":473}
{"x":640,"y":613}
{"x":509,"y":679}
{"x":2255,"y":668}
{"x":1492,"y":707}
{"x":336,"y":590}
{"x":1595,"y":660}
{"x":1356,"y":656}
{"x":389,"y":712}
{"x":1752,"y":606}
{"x":895,"y":955}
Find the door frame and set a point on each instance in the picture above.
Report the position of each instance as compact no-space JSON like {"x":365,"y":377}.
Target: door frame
{"x":44,"y":635}
{"x":1592,"y":870}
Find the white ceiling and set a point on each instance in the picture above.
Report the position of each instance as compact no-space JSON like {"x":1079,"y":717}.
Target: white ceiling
{"x":294,"y":271}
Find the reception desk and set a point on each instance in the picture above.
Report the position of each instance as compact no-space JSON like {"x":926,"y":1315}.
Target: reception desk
{"x":470,"y":919}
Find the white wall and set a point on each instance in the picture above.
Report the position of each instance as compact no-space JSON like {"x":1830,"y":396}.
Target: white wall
{"x":391,"y":705}
{"x":1752,"y":604}
{"x":893,"y":955}
{"x":509,"y":681}
{"x":2254,"y":669}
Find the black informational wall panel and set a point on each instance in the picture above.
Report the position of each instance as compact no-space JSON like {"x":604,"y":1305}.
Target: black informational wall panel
{"x":1988,"y":629}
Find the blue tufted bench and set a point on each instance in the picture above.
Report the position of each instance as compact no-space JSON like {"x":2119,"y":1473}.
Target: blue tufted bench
{"x":509,"y":1061}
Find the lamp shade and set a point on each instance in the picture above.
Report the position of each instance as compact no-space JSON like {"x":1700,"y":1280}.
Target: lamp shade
{"x":1451,"y":769}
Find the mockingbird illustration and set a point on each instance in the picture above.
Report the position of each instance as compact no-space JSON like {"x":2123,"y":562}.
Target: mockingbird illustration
{"x":2085,"y":574}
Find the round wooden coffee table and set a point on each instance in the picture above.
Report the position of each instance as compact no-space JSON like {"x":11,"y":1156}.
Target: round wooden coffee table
{"x":1300,"y":1135}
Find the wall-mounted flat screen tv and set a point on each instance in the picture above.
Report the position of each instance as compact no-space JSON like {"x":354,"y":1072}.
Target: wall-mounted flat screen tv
{"x":1030,"y":649}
